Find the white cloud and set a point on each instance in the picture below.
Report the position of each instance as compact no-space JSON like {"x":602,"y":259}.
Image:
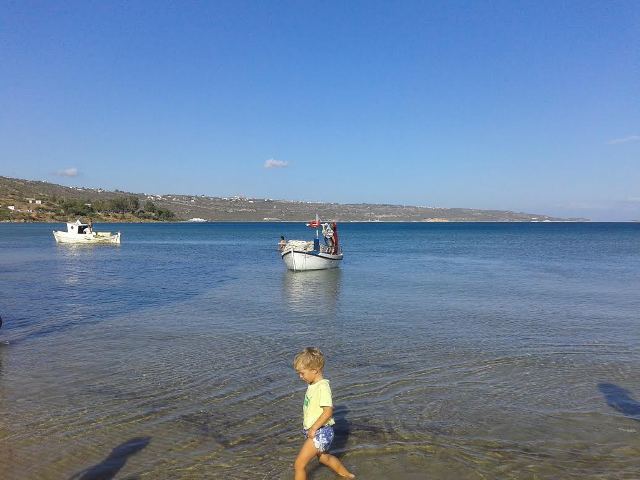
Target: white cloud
{"x":273,"y":163}
{"x":629,"y":139}
{"x":68,"y":172}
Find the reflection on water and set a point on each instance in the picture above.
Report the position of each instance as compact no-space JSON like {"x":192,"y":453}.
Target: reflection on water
{"x":75,"y":261}
{"x":72,"y":250}
{"x":312,"y":289}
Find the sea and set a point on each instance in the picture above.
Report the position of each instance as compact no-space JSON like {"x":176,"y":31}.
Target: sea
{"x":454,"y":351}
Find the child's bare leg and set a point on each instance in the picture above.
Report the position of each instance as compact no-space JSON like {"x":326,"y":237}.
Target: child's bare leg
{"x":307,"y":452}
{"x":335,"y":464}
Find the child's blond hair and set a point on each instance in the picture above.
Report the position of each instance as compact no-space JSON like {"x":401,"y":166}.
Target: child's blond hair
{"x":310,"y":357}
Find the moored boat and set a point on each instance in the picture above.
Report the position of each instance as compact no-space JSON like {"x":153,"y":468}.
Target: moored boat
{"x":300,"y":255}
{"x":78,"y":232}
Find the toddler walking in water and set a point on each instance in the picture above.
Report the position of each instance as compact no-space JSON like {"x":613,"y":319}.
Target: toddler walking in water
{"x":317,"y":413}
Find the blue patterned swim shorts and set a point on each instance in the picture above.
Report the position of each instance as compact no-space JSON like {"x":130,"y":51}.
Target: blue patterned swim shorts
{"x":322,"y":440}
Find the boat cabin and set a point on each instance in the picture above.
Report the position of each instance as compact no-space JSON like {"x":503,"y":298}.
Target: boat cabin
{"x":78,"y":227}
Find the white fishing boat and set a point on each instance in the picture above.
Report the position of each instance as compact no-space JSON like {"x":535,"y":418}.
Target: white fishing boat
{"x":78,"y":232}
{"x":300,"y":255}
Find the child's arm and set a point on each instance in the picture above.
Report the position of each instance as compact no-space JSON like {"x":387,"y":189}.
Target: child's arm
{"x":327,"y":413}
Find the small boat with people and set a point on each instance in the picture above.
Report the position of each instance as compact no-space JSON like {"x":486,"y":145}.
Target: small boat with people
{"x":300,"y":255}
{"x":78,"y":232}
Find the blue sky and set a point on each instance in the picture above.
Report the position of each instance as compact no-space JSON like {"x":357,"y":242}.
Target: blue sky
{"x":529,"y":106}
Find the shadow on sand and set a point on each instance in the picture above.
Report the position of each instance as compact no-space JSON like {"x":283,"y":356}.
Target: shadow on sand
{"x":342,"y":429}
{"x":110,"y":466}
{"x":621,"y":400}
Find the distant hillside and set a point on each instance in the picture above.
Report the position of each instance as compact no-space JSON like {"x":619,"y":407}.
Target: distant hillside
{"x":36,"y":201}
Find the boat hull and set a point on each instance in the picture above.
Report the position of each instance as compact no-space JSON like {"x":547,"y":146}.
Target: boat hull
{"x":299,"y":261}
{"x":87,"y":238}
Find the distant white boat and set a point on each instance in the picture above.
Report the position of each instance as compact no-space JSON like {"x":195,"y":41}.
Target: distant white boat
{"x":300,"y":255}
{"x":197,"y":220}
{"x":78,"y":232}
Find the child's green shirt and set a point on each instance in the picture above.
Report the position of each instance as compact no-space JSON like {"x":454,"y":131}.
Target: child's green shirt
{"x":318,"y":395}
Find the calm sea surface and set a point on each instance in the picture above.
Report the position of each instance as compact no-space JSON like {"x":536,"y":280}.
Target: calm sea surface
{"x":459,"y":351}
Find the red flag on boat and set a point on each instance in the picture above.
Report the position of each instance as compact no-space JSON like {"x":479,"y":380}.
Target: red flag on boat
{"x":314,"y":223}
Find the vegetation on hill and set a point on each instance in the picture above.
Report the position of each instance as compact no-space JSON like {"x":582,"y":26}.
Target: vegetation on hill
{"x":129,"y":205}
{"x":30,"y":201}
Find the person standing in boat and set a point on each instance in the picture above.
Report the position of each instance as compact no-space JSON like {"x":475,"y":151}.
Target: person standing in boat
{"x":327,"y":233}
{"x":281,"y":243}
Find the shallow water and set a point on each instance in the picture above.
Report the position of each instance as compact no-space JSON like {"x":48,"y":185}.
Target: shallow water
{"x":454,"y":351}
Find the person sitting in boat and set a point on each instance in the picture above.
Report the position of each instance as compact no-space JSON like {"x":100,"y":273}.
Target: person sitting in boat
{"x":327,"y":233}
{"x":281,"y":243}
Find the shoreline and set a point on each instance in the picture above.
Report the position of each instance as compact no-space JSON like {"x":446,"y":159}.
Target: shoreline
{"x":339,"y":221}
